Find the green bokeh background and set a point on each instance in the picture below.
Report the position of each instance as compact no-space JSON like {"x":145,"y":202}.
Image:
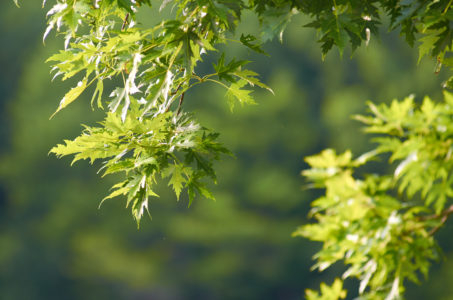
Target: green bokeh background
{"x":56,"y":244}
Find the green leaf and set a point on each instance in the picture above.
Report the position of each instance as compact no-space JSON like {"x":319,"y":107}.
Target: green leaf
{"x":249,"y":40}
{"x":329,"y":159}
{"x":98,"y":92}
{"x":334,"y":292}
{"x":177,"y":179}
{"x":226,"y":72}
{"x":274,"y":21}
{"x":251,"y":79}
{"x":427,"y":45}
{"x":115,"y":193}
{"x":236,"y":93}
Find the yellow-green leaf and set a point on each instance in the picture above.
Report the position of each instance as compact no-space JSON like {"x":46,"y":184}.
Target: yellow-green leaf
{"x":236,"y":93}
{"x":71,"y":96}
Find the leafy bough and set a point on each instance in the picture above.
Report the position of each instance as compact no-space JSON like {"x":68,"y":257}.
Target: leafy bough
{"x":146,"y":134}
{"x":383,"y":225}
{"x":167,"y":145}
{"x":157,"y":65}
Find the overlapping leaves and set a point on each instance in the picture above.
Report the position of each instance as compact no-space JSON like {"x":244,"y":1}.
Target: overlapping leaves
{"x":145,"y":150}
{"x":383,"y":236}
{"x":146,"y":134}
{"x":383,"y":226}
{"x":157,"y":65}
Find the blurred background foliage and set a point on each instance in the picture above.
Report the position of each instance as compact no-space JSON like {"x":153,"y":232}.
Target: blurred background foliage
{"x":56,"y":244}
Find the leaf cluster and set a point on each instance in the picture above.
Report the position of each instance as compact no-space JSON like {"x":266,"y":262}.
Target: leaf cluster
{"x":382,"y":225}
{"x":146,"y":133}
{"x":165,"y":146}
{"x":425,"y":24}
{"x":157,"y":65}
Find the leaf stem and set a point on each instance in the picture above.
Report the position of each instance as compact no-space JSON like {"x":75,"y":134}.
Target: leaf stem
{"x":218,"y":82}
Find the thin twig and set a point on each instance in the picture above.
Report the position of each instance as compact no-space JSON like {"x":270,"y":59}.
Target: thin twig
{"x":446,"y":212}
{"x":443,"y":216}
{"x":176,"y":91}
{"x":126,"y":21}
{"x":180,"y":104}
{"x":172,"y":94}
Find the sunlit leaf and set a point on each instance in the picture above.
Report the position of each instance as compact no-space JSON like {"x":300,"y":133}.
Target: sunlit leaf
{"x":72,"y":95}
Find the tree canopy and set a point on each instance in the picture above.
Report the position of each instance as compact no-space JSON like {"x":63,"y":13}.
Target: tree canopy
{"x":382,"y":226}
